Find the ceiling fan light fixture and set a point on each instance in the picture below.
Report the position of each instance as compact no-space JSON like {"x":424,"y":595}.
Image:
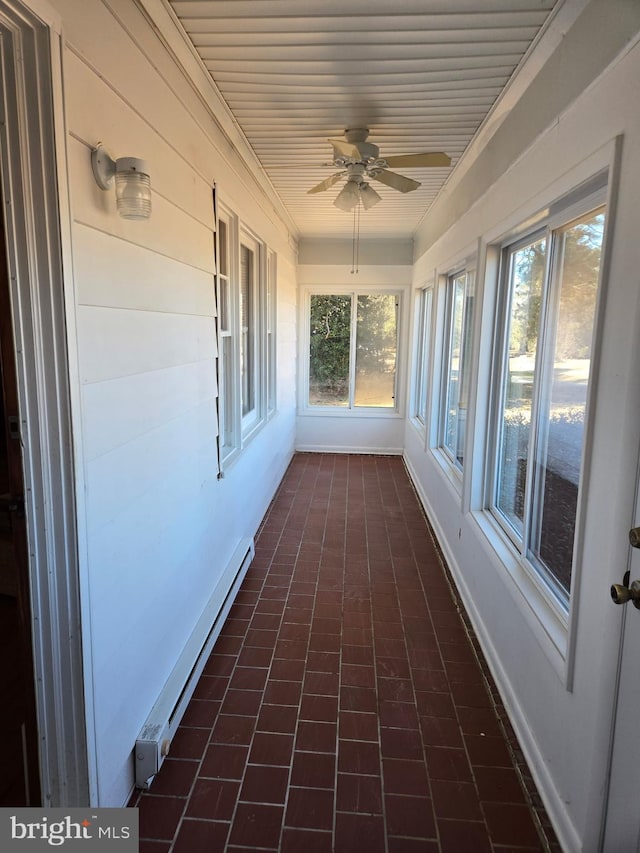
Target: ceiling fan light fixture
{"x":348,"y":197}
{"x":369,"y":196}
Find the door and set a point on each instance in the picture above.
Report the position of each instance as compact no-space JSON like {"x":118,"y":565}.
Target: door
{"x":622,"y":827}
{"x":19,"y":780}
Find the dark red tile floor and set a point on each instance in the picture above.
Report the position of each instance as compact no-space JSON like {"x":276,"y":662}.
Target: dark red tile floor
{"x":346,"y":706}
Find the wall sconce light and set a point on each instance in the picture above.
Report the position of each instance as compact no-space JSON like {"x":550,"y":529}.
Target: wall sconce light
{"x":133,"y":184}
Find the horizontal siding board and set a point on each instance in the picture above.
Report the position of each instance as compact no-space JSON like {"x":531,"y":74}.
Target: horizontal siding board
{"x":309,"y":26}
{"x":421,"y":32}
{"x":115,"y":342}
{"x":396,"y":51}
{"x":348,"y":8}
{"x":359,"y":68}
{"x":122,"y":410}
{"x":113,"y":273}
{"x":132,"y":472}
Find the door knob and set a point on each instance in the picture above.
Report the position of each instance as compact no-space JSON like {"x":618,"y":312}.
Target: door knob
{"x":634,"y":537}
{"x":621,"y":593}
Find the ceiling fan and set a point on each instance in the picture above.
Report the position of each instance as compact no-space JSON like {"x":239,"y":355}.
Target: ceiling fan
{"x":358,"y":159}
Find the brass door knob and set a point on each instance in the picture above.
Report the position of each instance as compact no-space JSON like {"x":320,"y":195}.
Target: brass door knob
{"x":621,"y":594}
{"x":634,"y":537}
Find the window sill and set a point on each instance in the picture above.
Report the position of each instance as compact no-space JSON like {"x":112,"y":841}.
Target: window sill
{"x":338,"y":412}
{"x":419,"y":427}
{"x":453,"y":474}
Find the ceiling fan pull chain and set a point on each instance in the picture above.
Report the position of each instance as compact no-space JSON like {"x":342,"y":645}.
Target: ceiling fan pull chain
{"x":358,"y":239}
{"x":355,"y":240}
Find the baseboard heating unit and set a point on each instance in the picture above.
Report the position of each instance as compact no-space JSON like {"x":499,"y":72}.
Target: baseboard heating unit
{"x":154,"y":740}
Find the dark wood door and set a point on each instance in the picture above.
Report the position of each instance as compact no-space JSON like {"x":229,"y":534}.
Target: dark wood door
{"x":19,"y":767}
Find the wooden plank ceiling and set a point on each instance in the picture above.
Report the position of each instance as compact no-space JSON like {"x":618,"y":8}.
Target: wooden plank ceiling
{"x":420,"y":74}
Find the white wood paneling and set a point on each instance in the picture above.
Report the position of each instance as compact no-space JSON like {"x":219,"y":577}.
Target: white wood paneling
{"x":159,"y":526}
{"x":133,"y":472}
{"x":122,"y":410}
{"x":114,"y":273}
{"x":115,"y":342}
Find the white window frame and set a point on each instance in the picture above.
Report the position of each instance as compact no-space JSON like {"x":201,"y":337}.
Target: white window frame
{"x":252,"y":382}
{"x":350,"y":410}
{"x":559,"y":215}
{"x":421,"y":358}
{"x":227,"y":324}
{"x":236,"y":426}
{"x":451,"y":460}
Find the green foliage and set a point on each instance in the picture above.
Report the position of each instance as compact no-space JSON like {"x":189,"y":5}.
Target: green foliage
{"x":330,"y":323}
{"x":376,"y":335}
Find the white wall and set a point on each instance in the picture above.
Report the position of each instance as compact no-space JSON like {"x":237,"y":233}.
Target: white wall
{"x":159,"y":526}
{"x":383,"y":264}
{"x":558,"y":682}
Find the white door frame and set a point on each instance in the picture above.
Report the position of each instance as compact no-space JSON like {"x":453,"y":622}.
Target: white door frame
{"x":38,"y":247}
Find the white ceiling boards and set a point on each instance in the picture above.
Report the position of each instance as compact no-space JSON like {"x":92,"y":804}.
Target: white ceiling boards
{"x":421,"y":75}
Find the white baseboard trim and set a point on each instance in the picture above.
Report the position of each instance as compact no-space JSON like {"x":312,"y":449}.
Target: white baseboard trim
{"x":562,"y":824}
{"x":368,"y":451}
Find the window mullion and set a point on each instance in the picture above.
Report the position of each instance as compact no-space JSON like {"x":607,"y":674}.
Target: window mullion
{"x":352,"y":350}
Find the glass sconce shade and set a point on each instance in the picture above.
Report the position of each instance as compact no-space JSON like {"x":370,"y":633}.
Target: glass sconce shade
{"x":133,"y":193}
{"x":368,"y":196}
{"x":348,"y":197}
{"x":132,"y":181}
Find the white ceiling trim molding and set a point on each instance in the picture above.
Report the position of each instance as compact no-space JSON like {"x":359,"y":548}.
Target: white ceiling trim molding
{"x":164,"y":21}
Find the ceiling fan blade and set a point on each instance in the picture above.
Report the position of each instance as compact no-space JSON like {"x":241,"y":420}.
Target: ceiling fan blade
{"x":328,"y":182}
{"x":435,"y":158}
{"x":346,"y":149}
{"x":396,"y":182}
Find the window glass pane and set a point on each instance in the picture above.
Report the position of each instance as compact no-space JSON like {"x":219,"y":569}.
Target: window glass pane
{"x":224,"y":305}
{"x":577,"y":255}
{"x":459,"y":350}
{"x":376,"y":338}
{"x":526,"y":268}
{"x":330,"y":333}
{"x":227,"y":389}
{"x":247,"y":329}
{"x":223,"y":262}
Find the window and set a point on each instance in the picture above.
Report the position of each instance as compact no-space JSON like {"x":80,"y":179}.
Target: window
{"x":353,"y":341}
{"x":225,"y":331}
{"x":549,"y":286}
{"x":246,"y":327}
{"x":421,"y":373}
{"x":459,"y":320}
